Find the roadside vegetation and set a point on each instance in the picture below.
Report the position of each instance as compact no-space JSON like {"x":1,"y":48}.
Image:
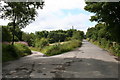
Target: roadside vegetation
{"x":55,"y":42}
{"x":12,"y":52}
{"x":99,"y":37}
{"x":61,"y":48}
{"x":106,"y":33}
{"x":48,"y":42}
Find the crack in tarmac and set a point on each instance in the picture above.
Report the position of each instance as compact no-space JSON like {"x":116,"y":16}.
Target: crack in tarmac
{"x":32,"y":69}
{"x":74,"y":64}
{"x":60,"y":69}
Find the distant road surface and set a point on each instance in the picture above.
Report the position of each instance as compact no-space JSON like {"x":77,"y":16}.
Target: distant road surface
{"x":88,"y":61}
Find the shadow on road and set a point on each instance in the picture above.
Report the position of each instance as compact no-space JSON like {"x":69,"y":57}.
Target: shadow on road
{"x":61,"y":68}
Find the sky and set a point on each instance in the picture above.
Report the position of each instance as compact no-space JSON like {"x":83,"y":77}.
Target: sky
{"x":60,"y":14}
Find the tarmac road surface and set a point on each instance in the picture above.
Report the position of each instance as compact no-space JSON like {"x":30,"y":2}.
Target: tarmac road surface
{"x":88,"y":61}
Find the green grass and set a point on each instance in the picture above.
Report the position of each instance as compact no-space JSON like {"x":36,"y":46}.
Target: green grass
{"x":22,"y":50}
{"x":107,"y":45}
{"x":58,"y":48}
{"x":12,"y":52}
{"x":61,"y":48}
{"x":35,"y":49}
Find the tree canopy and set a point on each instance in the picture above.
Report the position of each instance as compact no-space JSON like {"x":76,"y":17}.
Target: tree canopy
{"x":107,"y":12}
{"x":19,"y":13}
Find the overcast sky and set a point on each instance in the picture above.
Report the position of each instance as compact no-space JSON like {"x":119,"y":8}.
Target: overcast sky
{"x":60,"y":14}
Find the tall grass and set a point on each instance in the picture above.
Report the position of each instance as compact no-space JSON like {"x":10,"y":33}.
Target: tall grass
{"x":61,"y":48}
{"x":11,"y":52}
{"x":108,"y":45}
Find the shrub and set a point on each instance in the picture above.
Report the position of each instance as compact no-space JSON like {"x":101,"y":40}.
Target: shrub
{"x":41,"y":42}
{"x":60,"y":48}
{"x":78,"y":35}
{"x":108,"y":45}
{"x":8,"y":52}
{"x":68,"y":38}
{"x":6,"y":34}
{"x":22,"y":49}
{"x":11,"y":52}
{"x":51,"y":50}
{"x":117,"y":49}
{"x":103,"y":43}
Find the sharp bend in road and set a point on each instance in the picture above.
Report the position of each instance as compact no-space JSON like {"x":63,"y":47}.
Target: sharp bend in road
{"x":88,"y":61}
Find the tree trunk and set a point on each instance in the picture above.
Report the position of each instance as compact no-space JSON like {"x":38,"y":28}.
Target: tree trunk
{"x":13,"y":33}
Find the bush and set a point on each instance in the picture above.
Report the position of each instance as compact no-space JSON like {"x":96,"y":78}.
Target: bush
{"x":52,"y":50}
{"x":60,"y":48}
{"x":41,"y":42}
{"x":6,"y":34}
{"x":78,"y":35}
{"x":11,"y":52}
{"x":22,"y":49}
{"x":117,"y":49}
{"x":108,"y":45}
{"x":29,"y":38}
{"x":8,"y":52}
{"x":68,"y":38}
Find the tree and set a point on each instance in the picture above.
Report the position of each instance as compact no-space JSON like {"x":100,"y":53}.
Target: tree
{"x":20,"y":13}
{"x":56,"y":36}
{"x":17,"y":32}
{"x":79,"y":35}
{"x":41,"y":34}
{"x":107,"y":12}
{"x":40,"y":43}
{"x":29,"y":38}
{"x":70,"y":32}
{"x":6,"y":34}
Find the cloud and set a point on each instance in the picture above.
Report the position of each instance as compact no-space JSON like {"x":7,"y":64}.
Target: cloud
{"x":52,"y":17}
{"x":61,"y":14}
{"x":54,"y":22}
{"x":55,"y":5}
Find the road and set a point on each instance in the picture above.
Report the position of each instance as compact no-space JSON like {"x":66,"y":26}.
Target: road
{"x":88,"y":61}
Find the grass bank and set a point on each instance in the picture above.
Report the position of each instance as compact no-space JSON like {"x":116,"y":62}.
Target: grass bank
{"x":12,"y":52}
{"x":110,"y":46}
{"x":59,"y":48}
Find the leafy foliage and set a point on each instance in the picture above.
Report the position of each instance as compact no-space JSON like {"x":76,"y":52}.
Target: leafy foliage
{"x":23,"y":50}
{"x":60,"y":48}
{"x":100,"y":36}
{"x":55,"y":36}
{"x":40,"y":43}
{"x":79,"y":35}
{"x":11,"y":52}
{"x":107,"y":32}
{"x":41,"y":34}
{"x":52,"y":36}
{"x":29,"y":38}
{"x":107,"y":12}
{"x":20,"y":13}
{"x":6,"y":34}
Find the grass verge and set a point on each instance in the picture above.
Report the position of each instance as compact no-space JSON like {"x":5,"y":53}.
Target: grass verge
{"x":61,"y":48}
{"x":12,"y":52}
{"x":58,"y":48}
{"x":109,"y":46}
